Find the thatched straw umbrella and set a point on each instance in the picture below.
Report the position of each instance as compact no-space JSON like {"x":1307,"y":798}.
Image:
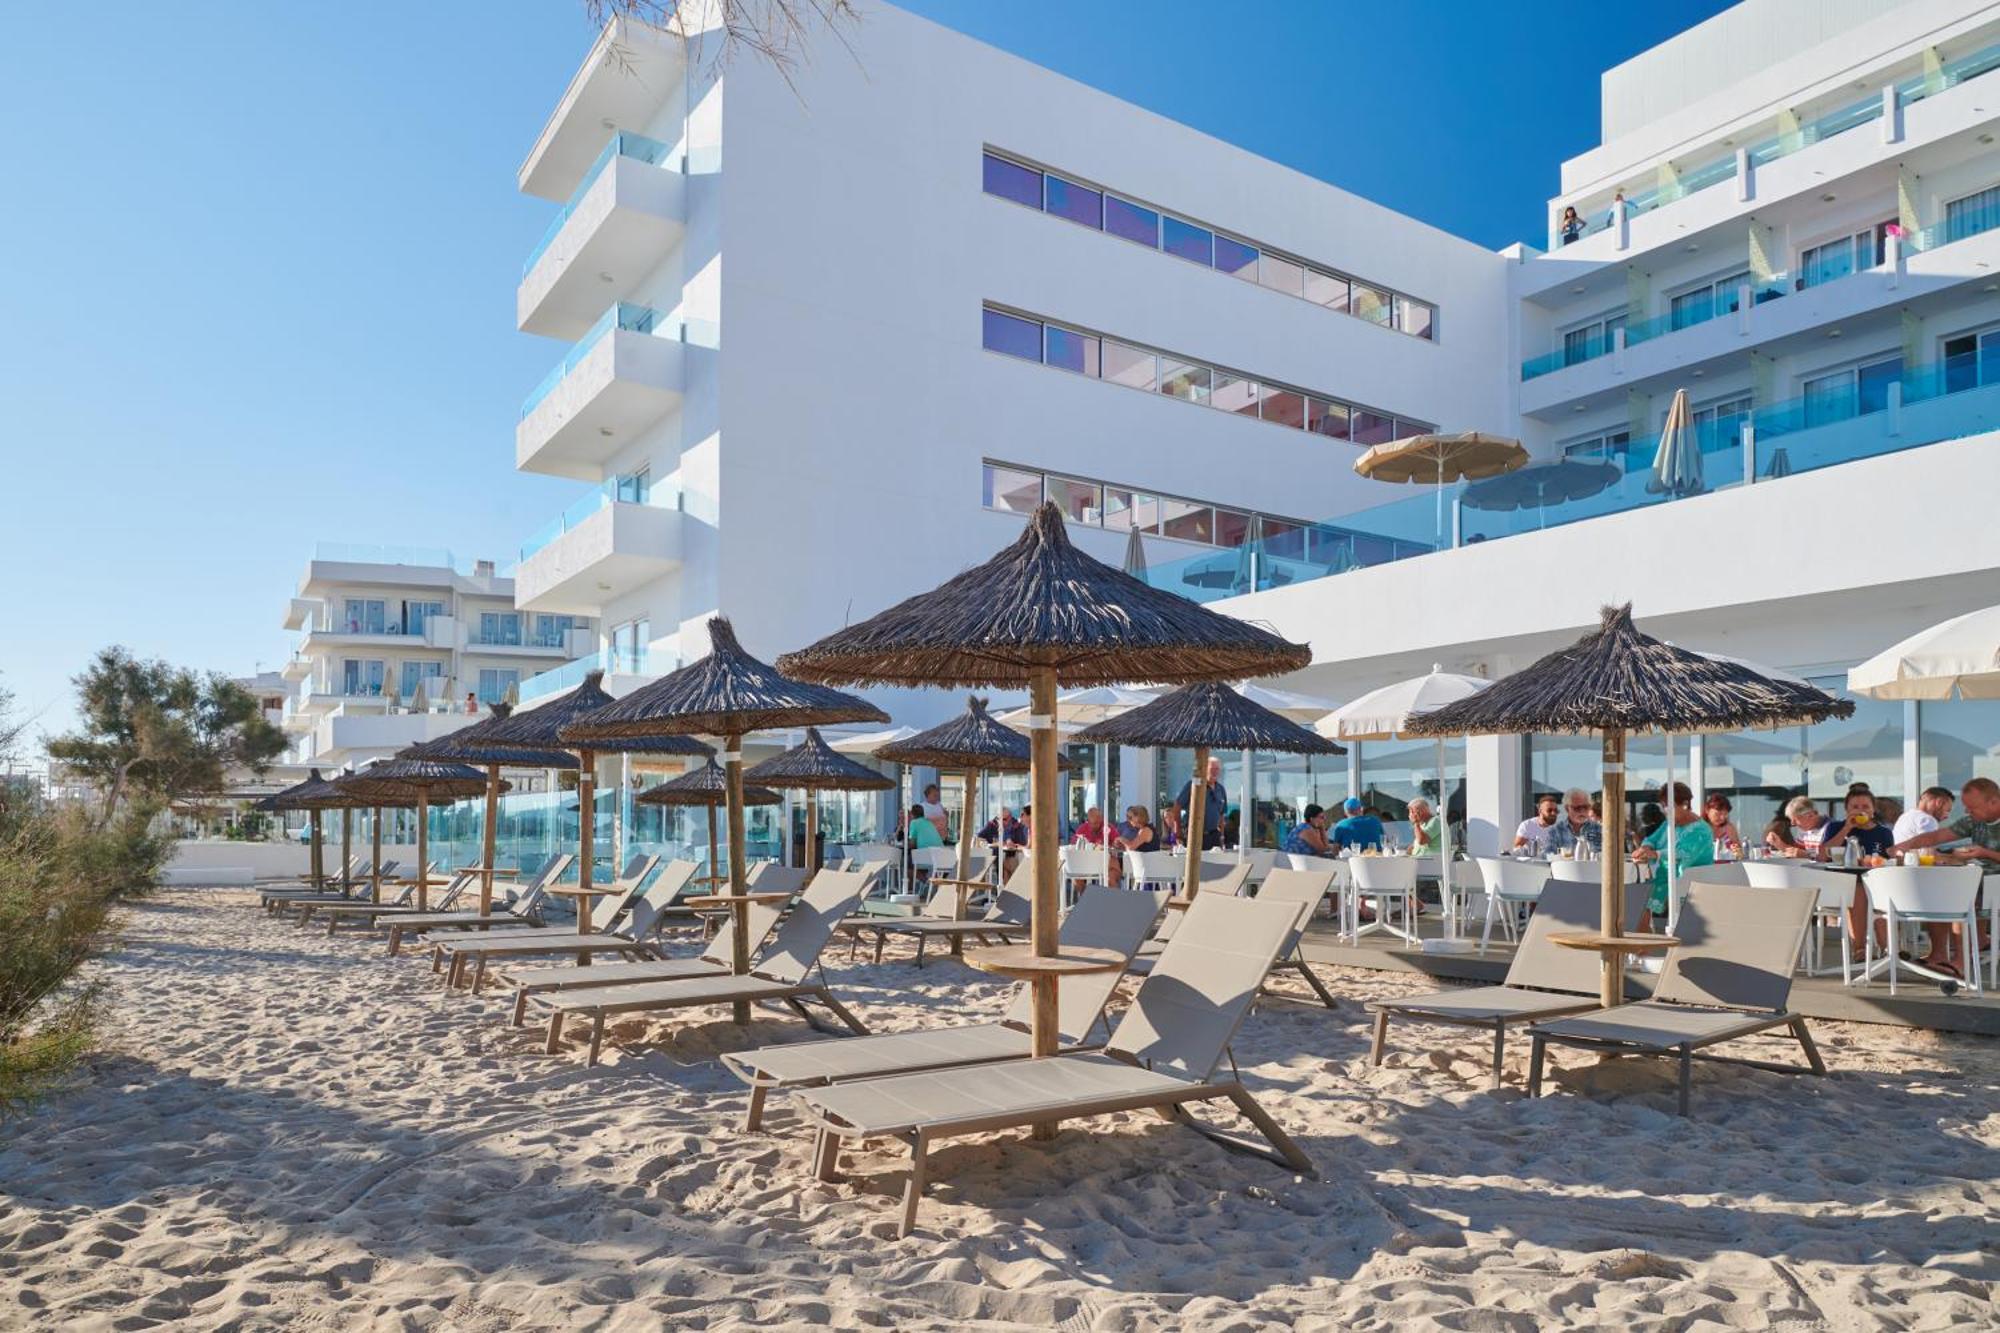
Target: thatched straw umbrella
{"x":328,"y":795}
{"x":1200,"y":718}
{"x":728,"y":694}
{"x":427,"y":780}
{"x":974,"y":743}
{"x":533,"y":739}
{"x":1615,"y":682}
{"x":1039,"y":613}
{"x":472,"y":745}
{"x":300,"y":796}
{"x":707,"y":786}
{"x":812,"y":766}
{"x":376,"y":803}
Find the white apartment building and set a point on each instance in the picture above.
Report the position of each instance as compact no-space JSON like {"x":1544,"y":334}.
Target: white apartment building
{"x":824,"y":345}
{"x":391,"y":644}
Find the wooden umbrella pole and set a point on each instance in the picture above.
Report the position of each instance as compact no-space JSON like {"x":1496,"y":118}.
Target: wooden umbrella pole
{"x":318,"y":865}
{"x":739,"y":922}
{"x":965,"y":827}
{"x":1042,"y":852}
{"x":423,"y":849}
{"x":714,"y":856}
{"x":1196,"y":818}
{"x":586,"y":834}
{"x":375,"y":851}
{"x":487,"y":839}
{"x":346,"y":850}
{"x":1612,"y":990}
{"x":811,"y":857}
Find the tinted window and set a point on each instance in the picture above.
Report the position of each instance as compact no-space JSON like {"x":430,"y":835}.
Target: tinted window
{"x":1128,"y":365}
{"x":1182,"y":379}
{"x":1131,"y":221}
{"x":1011,"y":180}
{"x":1080,"y":500}
{"x":1078,"y":203}
{"x":1326,"y":289}
{"x":1370,"y":303}
{"x":1071,"y":350}
{"x":1234,"y":394}
{"x":1013,"y":335}
{"x":1012,"y":490}
{"x":1231,"y":528}
{"x":1372,"y":427}
{"x":1280,"y":275}
{"x":1326,"y":418}
{"x":1187,"y":240}
{"x":1235,"y":258}
{"x":1284,"y":407}
{"x":1413,"y":317}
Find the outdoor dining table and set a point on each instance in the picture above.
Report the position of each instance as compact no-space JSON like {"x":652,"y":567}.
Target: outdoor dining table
{"x":737,"y":903}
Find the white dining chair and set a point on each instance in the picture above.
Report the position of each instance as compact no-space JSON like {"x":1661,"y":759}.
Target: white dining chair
{"x":1466,"y":883}
{"x":1510,"y":885}
{"x":1923,"y":895}
{"x":1379,"y":882}
{"x":1836,"y":892}
{"x":1082,"y":866}
{"x":1152,"y":870}
{"x":1335,"y":892}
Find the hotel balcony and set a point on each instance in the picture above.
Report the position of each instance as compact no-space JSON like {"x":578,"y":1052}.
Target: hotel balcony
{"x":630,"y":73}
{"x":629,"y":210}
{"x":623,"y":673}
{"x":598,"y":549}
{"x":327,"y":630}
{"x":623,"y":375}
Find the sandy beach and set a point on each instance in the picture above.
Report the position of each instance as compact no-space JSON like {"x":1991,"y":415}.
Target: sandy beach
{"x":286,"y":1131}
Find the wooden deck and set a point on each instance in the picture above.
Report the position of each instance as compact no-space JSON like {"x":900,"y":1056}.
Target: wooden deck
{"x":1918,"y":1003}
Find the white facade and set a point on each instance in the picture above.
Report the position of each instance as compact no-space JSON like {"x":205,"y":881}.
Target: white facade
{"x":1789,"y":219}
{"x":388,"y":652}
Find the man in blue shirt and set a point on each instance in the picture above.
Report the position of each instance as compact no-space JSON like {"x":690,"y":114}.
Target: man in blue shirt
{"x":1213,"y":806}
{"x":1357,"y":830}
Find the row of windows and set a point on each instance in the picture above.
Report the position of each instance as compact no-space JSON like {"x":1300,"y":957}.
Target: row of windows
{"x":1103,"y":504}
{"x":1104,"y":211}
{"x":1189,"y":380}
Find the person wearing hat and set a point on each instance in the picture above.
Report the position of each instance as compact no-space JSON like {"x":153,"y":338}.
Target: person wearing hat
{"x":1358,"y":829}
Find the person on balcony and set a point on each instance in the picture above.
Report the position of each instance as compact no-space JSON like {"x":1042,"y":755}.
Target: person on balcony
{"x":1571,"y":226}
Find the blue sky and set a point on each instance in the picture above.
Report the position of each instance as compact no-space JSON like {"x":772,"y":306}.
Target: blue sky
{"x":260,"y":260}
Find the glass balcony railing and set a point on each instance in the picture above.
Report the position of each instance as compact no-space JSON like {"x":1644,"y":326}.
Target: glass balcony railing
{"x":631,"y":318}
{"x":638,"y":662}
{"x":1929,"y":404}
{"x":1838,"y":121}
{"x":623,"y":144}
{"x":1979,"y":215}
{"x":427,"y":557}
{"x":619,"y":490}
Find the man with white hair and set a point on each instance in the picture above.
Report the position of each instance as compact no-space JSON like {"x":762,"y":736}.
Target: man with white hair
{"x":1576,"y":825}
{"x":1427,"y":830}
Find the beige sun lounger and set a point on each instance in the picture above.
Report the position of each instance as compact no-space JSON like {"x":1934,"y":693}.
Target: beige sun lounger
{"x":1006,"y":919}
{"x":1162,"y":1056}
{"x":369,"y":913}
{"x":1104,"y":918}
{"x":302,"y":889}
{"x":523,"y":911}
{"x":780,"y":975}
{"x":1545,"y":980}
{"x":622,"y":893}
{"x":1224,"y":883}
{"x":1307,"y":889}
{"x":1729,"y":978}
{"x":633,"y":940}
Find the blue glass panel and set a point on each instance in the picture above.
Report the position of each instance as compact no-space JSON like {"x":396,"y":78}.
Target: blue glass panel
{"x":1078,"y":203}
{"x":1187,"y":240}
{"x":1236,"y":258}
{"x":1011,"y":180}
{"x":1070,"y":350}
{"x":1131,"y":221}
{"x":1013,"y":335}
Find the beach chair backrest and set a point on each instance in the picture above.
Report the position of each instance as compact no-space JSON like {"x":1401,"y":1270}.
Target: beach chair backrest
{"x":1305,"y":888}
{"x":759,"y":918}
{"x":453,"y":891}
{"x":1103,"y":918}
{"x":1737,"y":947}
{"x":1014,"y":903}
{"x":1203,"y":983}
{"x":797,"y":945}
{"x":770,"y":877}
{"x":531,"y":897}
{"x":625,"y":891}
{"x":1565,"y":906}
{"x":389,"y":868}
{"x":652,"y":902}
{"x":1222,"y":878}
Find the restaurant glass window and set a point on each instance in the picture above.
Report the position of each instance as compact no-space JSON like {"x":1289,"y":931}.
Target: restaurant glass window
{"x":1758,"y":771}
{"x":1958,"y":740}
{"x":1327,"y":289}
{"x":1393,"y":773}
{"x":1012,"y":335}
{"x":1281,"y":275}
{"x":1233,"y":393}
{"x":1132,"y":221}
{"x":1184,"y":379}
{"x":1970,"y":360}
{"x":1283,"y":406}
{"x":1867,"y":747}
{"x":1072,"y":351}
{"x":1189,"y":242}
{"x":1131,"y":366}
{"x":1080,"y":501}
{"x":1236,"y":258}
{"x":1187,"y":521}
{"x":1011,"y":489}
{"x":1078,"y":203}
{"x":1011,"y":180}
{"x":1369,"y":303}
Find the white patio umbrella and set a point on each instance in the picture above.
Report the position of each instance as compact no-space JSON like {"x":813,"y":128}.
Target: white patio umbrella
{"x":1384,"y":714}
{"x":1077,"y":709}
{"x":1677,"y":463}
{"x":1303,"y":709}
{"x":1958,"y":659}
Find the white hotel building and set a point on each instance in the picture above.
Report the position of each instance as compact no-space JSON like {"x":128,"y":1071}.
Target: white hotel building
{"x":817,"y":349}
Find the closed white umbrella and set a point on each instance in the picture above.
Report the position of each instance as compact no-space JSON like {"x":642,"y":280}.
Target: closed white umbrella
{"x":1385,"y":714}
{"x":1677,"y":463}
{"x":1959,"y":659}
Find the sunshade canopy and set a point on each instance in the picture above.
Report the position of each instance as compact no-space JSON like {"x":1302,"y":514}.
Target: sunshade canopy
{"x":1385,"y":714}
{"x":434,"y":779}
{"x":1438,"y":459}
{"x":1959,"y":658}
{"x":1043,"y":604}
{"x":1619,"y":679}
{"x":1543,"y":485}
{"x":306,"y":795}
{"x":375,"y":798}
{"x":1207,"y":714}
{"x":813,"y":765}
{"x":972,"y":741}
{"x":707,"y":785}
{"x":727,"y":692}
{"x":544,"y":726}
{"x":477,"y":744}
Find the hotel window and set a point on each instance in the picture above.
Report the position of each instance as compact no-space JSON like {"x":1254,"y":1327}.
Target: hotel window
{"x":1128,"y":510}
{"x":1972,"y":215}
{"x":634,"y":488}
{"x":1613,"y":447}
{"x":1854,"y":391}
{"x":1235,"y":394}
{"x":1069,"y":350}
{"x":1971,"y":359}
{"x":1184,"y":379}
{"x":419,"y":675}
{"x":1592,"y":339}
{"x":1721,"y":422}
{"x":1100,"y":209}
{"x":367,"y":616}
{"x":1012,"y":335}
{"x":500,"y":628}
{"x":362,"y":676}
{"x":1373,"y":427}
{"x":1080,"y":501}
{"x":1699,"y":304}
{"x":1187,"y":521}
{"x":1282,"y":406}
{"x":1838,"y":258}
{"x":629,"y":642}
{"x":1327,"y":418}
{"x":1011,"y":490}
{"x":416,"y":615}
{"x":496,"y":682}
{"x":1133,"y":367}
{"x":551,"y":631}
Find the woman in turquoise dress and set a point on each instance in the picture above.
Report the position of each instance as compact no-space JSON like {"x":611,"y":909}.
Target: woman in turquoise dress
{"x":1694,"y":845}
